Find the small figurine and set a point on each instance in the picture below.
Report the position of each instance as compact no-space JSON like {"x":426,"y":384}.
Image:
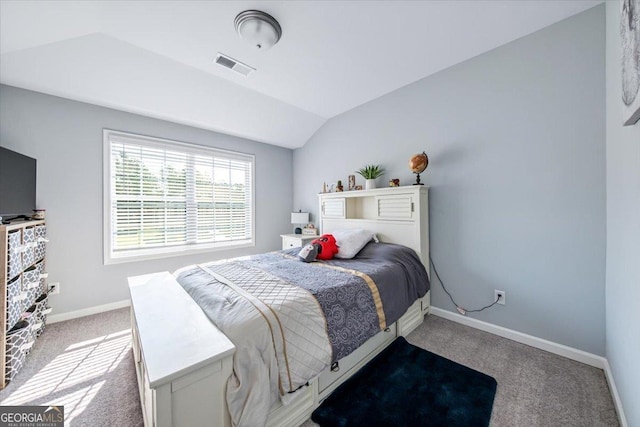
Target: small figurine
{"x":339,"y":187}
{"x":309,"y":252}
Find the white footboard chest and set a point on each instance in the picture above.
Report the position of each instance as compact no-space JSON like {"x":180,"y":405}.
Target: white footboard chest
{"x":182,"y":360}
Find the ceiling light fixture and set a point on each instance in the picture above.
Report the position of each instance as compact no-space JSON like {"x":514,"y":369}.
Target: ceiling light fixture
{"x":259,"y":29}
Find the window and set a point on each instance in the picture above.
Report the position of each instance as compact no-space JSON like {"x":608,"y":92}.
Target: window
{"x":165,"y":198}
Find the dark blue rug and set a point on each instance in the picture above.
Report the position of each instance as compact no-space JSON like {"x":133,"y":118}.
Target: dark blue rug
{"x":407,"y":386}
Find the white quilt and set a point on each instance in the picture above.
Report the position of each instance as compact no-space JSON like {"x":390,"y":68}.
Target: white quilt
{"x":279,"y":332}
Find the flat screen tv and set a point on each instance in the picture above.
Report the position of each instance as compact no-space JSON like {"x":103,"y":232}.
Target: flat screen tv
{"x":17,"y":184}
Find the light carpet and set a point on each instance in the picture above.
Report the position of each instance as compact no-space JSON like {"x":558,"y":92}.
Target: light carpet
{"x":87,"y":365}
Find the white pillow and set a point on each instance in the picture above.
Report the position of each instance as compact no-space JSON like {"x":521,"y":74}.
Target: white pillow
{"x":351,"y":241}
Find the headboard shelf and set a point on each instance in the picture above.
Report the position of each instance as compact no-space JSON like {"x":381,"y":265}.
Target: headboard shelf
{"x":397,"y":214}
{"x":374,"y":192}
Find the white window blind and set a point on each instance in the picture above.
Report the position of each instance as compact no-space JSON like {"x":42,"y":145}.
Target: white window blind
{"x":166,"y":197}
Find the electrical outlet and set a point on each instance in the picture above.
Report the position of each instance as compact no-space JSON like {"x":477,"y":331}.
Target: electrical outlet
{"x":502,"y":295}
{"x":55,"y":288}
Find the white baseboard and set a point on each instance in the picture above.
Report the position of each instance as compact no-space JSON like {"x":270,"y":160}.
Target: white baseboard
{"x":88,"y":311}
{"x":550,"y":346}
{"x":614,"y":394}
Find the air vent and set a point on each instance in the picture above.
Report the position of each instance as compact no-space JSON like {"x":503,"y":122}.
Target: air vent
{"x":233,"y":64}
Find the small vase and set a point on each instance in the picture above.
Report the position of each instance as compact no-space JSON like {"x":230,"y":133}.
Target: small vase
{"x":369,"y":184}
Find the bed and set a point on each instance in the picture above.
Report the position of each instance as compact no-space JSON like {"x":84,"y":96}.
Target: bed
{"x":209,"y":340}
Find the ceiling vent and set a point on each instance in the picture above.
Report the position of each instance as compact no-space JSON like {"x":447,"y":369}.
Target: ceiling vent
{"x":233,"y":64}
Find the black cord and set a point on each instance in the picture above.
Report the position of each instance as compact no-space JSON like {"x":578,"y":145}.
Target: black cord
{"x":483,"y":308}
{"x":451,"y":297}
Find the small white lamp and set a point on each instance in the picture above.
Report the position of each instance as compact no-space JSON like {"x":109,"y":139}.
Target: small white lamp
{"x":299,"y":218}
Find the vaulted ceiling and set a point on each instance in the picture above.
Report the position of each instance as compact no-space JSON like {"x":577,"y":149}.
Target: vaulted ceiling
{"x":156,"y":57}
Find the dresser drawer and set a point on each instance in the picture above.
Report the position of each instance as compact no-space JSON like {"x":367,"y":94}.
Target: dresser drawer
{"x":14,"y":302}
{"x":29,"y":244}
{"x":290,"y":242}
{"x":295,"y":240}
{"x":14,"y":251}
{"x":41,"y":242}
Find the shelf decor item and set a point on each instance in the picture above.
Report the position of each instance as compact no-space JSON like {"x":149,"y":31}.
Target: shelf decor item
{"x":370,"y":173}
{"x":38,"y":214}
{"x":352,"y":182}
{"x":310,"y":230}
{"x":418,"y":163}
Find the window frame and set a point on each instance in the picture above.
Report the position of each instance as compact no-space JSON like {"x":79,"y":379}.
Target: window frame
{"x":109,"y":257}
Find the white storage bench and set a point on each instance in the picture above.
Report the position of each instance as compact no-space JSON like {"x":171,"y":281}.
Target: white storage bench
{"x":182,"y":360}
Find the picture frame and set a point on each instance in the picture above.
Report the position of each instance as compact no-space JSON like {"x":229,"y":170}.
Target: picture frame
{"x":630,"y":37}
{"x":352,"y":182}
{"x":310,"y":230}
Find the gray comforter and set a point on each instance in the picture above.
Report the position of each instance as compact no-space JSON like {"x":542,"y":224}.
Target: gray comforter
{"x":347,"y":300}
{"x":297,"y":317}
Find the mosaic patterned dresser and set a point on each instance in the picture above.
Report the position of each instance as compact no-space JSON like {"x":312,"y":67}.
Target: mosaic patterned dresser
{"x":24,"y":298}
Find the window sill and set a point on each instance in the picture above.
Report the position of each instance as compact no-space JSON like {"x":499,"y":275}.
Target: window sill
{"x":159,"y":253}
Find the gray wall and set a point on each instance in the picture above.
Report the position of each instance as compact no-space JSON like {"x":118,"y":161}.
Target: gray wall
{"x":623,"y":233}
{"x":517,"y":175}
{"x":66,"y":138}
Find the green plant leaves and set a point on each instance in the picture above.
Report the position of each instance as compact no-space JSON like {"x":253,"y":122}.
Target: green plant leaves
{"x":371,"y":171}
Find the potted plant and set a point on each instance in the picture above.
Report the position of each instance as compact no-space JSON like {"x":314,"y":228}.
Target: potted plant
{"x":370,"y":173}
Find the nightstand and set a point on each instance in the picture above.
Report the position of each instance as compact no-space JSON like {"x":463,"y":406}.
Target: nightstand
{"x":295,"y":240}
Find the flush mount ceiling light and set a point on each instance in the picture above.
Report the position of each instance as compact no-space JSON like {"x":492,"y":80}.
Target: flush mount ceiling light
{"x":259,"y":29}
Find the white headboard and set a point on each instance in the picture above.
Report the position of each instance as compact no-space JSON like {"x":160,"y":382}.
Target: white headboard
{"x":396,"y":214}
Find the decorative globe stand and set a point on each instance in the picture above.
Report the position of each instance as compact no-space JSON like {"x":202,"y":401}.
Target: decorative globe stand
{"x":418,"y":180}
{"x":417,"y":164}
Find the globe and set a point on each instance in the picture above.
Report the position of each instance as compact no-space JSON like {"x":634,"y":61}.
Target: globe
{"x":418,"y":163}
